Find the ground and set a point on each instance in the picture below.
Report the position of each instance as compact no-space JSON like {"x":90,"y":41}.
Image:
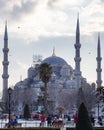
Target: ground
{"x":36,"y":123}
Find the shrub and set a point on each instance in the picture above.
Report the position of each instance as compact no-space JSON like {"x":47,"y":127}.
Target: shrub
{"x":83,"y":122}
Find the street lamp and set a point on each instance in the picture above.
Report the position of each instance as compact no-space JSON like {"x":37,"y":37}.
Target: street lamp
{"x":98,"y":109}
{"x":9,"y":100}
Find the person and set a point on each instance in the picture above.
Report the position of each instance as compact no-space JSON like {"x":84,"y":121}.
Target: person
{"x":68,"y":117}
{"x":13,"y":120}
{"x":92,"y":120}
{"x":75,"y":118}
{"x":49,"y":120}
{"x":42,"y":119}
{"x":100,"y":121}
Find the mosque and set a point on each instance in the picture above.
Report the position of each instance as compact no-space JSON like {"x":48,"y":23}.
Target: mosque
{"x":64,"y":77}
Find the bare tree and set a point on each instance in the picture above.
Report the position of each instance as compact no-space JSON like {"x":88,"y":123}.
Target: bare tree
{"x":23,"y":96}
{"x":89,"y":97}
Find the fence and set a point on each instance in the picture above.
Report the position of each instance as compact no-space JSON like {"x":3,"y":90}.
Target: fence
{"x":24,"y":123}
{"x":33,"y":123}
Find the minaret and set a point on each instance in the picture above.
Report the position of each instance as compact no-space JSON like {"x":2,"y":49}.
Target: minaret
{"x":5,"y":63}
{"x":77,"y":58}
{"x":98,"y":58}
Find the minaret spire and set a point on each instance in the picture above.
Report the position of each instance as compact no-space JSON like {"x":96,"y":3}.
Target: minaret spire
{"x":5,"y":63}
{"x":77,"y":58}
{"x":53,"y":54}
{"x":98,"y":58}
{"x":77,"y":31}
{"x":6,"y":34}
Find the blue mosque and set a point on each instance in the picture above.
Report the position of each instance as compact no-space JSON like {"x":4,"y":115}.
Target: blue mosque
{"x":65,"y":79}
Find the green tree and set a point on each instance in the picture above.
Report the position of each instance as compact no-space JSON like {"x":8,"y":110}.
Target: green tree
{"x":27,"y":114}
{"x":83,"y":122}
{"x":45,"y":71}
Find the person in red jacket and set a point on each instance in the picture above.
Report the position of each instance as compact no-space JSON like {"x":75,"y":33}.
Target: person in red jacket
{"x":75,"y":118}
{"x":43,"y":119}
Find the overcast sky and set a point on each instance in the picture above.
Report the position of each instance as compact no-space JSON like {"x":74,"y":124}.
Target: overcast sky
{"x":36,"y":26}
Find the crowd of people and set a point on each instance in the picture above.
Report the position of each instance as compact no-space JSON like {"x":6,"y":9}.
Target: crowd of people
{"x":99,"y":120}
{"x":56,"y":118}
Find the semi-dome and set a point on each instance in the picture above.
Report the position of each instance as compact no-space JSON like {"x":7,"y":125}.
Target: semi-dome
{"x":55,"y":60}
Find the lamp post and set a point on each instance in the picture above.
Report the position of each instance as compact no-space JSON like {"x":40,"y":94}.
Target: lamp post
{"x":31,"y":108}
{"x":98,"y":109}
{"x":9,"y":100}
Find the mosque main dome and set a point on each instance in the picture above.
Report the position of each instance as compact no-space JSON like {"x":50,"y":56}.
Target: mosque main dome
{"x":59,"y":66}
{"x":55,"y":60}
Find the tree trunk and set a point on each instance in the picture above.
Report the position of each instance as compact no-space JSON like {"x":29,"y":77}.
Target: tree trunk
{"x":45,"y":100}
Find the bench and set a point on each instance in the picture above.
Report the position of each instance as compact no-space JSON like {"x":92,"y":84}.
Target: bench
{"x":17,"y":125}
{"x":57,"y":124}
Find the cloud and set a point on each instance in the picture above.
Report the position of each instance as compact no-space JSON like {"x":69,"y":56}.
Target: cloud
{"x":36,"y":18}
{"x":102,"y":1}
{"x":51,"y":3}
{"x":24,"y":9}
{"x":63,"y":3}
{"x":21,"y":65}
{"x":16,"y":9}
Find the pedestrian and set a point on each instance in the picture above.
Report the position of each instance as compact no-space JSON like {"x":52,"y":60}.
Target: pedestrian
{"x":49,"y":120}
{"x":68,"y":117}
{"x":42,"y":119}
{"x":14,"y":120}
{"x":92,"y":120}
{"x":100,"y":121}
{"x":75,"y":118}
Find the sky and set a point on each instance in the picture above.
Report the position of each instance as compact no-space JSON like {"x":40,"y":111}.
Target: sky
{"x":36,"y":26}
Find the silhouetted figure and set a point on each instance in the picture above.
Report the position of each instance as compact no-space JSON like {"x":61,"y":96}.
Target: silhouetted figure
{"x":49,"y":120}
{"x":92,"y":120}
{"x":100,"y":121}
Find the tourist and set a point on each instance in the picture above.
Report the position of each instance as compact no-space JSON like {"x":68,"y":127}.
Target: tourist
{"x":13,"y":120}
{"x":49,"y":120}
{"x":92,"y":120}
{"x":75,"y":118}
{"x":100,"y":121}
{"x":43,"y":119}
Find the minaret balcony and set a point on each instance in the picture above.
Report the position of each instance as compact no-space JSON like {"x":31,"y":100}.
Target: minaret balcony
{"x":5,"y":76}
{"x":98,"y":58}
{"x":99,"y":70}
{"x":5,"y":62}
{"x":77,"y":45}
{"x":99,"y":81}
{"x":5,"y":49}
{"x":77,"y":59}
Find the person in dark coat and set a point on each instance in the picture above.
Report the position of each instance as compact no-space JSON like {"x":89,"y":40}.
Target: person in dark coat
{"x":49,"y":120}
{"x":100,"y":121}
{"x":92,"y":120}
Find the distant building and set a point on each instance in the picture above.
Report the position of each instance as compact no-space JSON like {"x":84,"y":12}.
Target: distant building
{"x":64,"y":78}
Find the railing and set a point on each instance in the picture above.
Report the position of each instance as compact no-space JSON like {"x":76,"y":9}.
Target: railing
{"x":33,"y":123}
{"x":25,"y":123}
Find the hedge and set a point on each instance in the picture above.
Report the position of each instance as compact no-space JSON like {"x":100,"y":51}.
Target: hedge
{"x":95,"y":128}
{"x":30,"y":128}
